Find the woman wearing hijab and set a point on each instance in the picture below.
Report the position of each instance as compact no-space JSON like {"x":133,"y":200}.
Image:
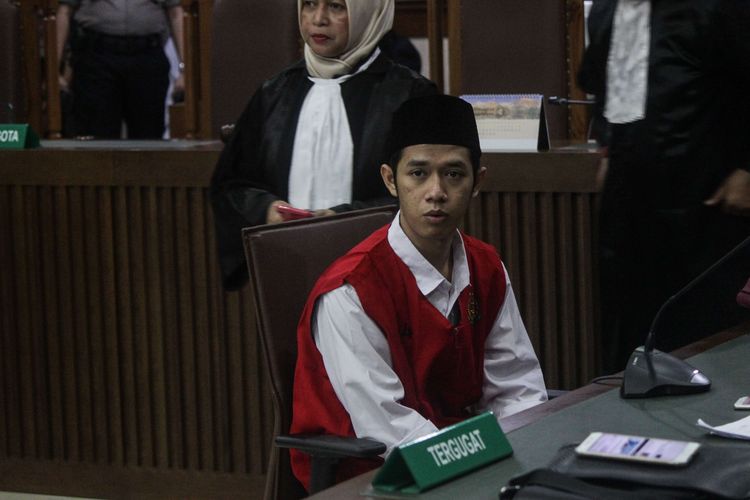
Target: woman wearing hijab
{"x":314,"y":136}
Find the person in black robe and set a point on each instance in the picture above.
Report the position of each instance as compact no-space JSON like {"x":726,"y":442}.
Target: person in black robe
{"x":676,"y":196}
{"x":262,"y":165}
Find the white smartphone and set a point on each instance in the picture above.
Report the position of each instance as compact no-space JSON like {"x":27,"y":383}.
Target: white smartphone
{"x":743,"y":403}
{"x":637,"y":448}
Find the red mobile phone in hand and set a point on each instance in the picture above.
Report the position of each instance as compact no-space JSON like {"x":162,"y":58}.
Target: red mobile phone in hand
{"x":291,"y":213}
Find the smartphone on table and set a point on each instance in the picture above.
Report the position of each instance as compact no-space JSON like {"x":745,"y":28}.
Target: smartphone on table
{"x":637,"y":448}
{"x":291,"y":213}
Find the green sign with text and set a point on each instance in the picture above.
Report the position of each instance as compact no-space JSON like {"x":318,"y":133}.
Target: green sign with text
{"x":442,"y":456}
{"x":17,"y":136}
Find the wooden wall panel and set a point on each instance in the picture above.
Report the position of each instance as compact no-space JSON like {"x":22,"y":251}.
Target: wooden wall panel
{"x":117,"y":345}
{"x":546,"y":242}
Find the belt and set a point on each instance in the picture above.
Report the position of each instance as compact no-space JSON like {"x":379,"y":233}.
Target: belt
{"x":121,"y":44}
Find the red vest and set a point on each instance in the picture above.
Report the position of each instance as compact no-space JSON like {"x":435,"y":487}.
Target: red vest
{"x":441,"y":366}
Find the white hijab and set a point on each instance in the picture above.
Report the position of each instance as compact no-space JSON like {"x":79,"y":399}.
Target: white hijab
{"x":369,"y":21}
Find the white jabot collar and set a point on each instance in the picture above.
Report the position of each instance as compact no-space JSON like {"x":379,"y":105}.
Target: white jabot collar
{"x":321,"y":172}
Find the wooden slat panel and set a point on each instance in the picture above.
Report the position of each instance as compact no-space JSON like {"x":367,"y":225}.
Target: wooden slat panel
{"x":587,"y":289}
{"x":545,"y":241}
{"x":135,"y":295}
{"x":81,"y":333}
{"x":565,"y":287}
{"x":260,"y":417}
{"x":51,"y":384}
{"x":155,"y":341}
{"x":171,"y":358}
{"x":7,"y":316}
{"x":239,"y":421}
{"x":200,"y":301}
{"x":11,"y":320}
{"x":251,"y":386}
{"x":67,"y":334}
{"x":510,"y":244}
{"x":186,"y":333}
{"x":549,"y":282}
{"x":125,"y":342}
{"x":94,"y":307}
{"x":29,"y":327}
{"x":219,"y":341}
{"x":107,"y":243}
{"x":527,"y":291}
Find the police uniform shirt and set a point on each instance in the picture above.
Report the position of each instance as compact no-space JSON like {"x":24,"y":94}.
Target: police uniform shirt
{"x":123,"y":17}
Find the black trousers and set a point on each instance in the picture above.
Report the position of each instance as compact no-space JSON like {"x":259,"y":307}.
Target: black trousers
{"x":112,"y":85}
{"x":648,"y":252}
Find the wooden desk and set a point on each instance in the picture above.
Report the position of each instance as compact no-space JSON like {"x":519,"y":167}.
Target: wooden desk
{"x":536,"y":434}
{"x":125,"y":369}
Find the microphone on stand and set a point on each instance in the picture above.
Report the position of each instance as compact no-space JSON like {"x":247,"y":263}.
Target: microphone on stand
{"x":564,"y":101}
{"x":651,"y":372}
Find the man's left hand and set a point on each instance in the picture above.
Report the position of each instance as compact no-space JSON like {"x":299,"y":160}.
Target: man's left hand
{"x":733,"y":195}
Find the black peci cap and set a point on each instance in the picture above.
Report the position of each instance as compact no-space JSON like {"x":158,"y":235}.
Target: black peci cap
{"x":435,"y":119}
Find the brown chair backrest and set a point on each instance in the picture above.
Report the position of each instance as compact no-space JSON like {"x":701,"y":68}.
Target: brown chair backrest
{"x":284,"y":262}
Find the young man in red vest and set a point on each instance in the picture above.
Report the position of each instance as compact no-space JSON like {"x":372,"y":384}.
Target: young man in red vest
{"x":417,"y":327}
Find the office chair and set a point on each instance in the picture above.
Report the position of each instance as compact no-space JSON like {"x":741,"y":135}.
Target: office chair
{"x":284,"y":262}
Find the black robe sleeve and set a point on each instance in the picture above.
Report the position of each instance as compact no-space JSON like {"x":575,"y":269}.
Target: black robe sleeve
{"x":239,"y":196}
{"x":733,"y":33}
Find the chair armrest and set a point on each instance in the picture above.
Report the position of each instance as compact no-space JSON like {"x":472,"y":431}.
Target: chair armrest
{"x":332,"y":446}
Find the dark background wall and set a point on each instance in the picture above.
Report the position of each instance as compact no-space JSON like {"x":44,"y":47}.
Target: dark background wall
{"x":11,"y":90}
{"x":252,"y":40}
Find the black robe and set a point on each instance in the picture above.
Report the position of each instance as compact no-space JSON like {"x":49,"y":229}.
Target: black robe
{"x":656,"y":233}
{"x":253,"y":170}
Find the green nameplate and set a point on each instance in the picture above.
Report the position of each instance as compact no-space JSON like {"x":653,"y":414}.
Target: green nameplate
{"x":442,"y":456}
{"x":17,"y":136}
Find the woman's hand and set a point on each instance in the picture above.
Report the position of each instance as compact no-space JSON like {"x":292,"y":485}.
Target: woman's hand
{"x":323,"y":212}
{"x":272,"y":215}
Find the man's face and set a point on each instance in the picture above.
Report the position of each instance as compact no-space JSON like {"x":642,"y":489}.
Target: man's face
{"x":325,"y":26}
{"x":434,"y":184}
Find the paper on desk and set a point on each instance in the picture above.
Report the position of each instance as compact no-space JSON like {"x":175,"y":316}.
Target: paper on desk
{"x":739,"y":429}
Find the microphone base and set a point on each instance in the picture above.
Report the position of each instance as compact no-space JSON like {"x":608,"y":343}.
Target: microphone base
{"x":657,"y":373}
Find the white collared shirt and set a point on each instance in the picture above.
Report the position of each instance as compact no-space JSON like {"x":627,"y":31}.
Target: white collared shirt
{"x":627,"y":63}
{"x":358,"y":360}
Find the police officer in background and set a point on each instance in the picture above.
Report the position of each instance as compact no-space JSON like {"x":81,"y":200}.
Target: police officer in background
{"x":120,"y":71}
